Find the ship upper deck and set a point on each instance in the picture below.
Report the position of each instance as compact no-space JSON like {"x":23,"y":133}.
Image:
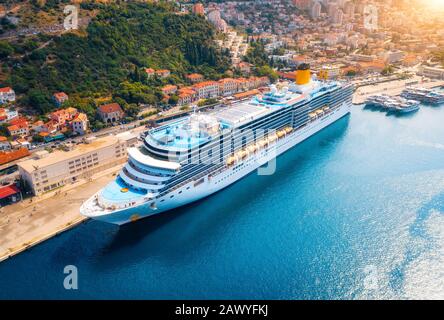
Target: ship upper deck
{"x":200,"y":128}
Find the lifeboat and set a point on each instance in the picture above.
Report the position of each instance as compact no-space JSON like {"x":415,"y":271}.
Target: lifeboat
{"x":243,"y":154}
{"x":252,"y":148}
{"x":272,"y":138}
{"x":262,"y":143}
{"x":326,"y":108}
{"x":281,"y":133}
{"x":318,"y":112}
{"x":288,"y":129}
{"x":231,"y":160}
{"x":312,"y":114}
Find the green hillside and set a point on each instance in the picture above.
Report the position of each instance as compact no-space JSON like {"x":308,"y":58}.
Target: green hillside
{"x":109,"y":58}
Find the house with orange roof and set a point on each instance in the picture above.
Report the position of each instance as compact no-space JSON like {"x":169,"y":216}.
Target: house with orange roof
{"x":186,"y":96}
{"x":62,"y":116}
{"x":169,"y":89}
{"x":7,"y":94}
{"x":110,"y":113}
{"x":227,"y":86}
{"x":207,"y":89}
{"x":20,"y":120}
{"x":163,"y":73}
{"x":80,"y":123}
{"x":195,"y":77}
{"x":150,"y":72}
{"x":59,"y":98}
{"x":4,"y":144}
{"x":244,"y":67}
{"x":18,"y":130}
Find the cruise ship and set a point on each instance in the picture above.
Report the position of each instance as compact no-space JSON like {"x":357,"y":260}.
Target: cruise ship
{"x":193,"y":157}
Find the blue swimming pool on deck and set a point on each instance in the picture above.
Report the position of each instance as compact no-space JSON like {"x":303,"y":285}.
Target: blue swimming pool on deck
{"x":113,"y":191}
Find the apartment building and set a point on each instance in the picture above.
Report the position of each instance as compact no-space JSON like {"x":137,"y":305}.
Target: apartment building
{"x":207,"y":89}
{"x":432,"y":72}
{"x":49,"y":171}
{"x":227,"y":86}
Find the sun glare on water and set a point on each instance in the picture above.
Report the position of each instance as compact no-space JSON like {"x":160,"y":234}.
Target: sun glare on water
{"x":436,"y":3}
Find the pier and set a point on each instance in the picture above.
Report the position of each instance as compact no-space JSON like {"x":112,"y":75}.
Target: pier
{"x":32,"y":221}
{"x":392,"y":88}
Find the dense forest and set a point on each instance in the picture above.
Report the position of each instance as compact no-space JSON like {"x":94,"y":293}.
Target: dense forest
{"x":108,"y":60}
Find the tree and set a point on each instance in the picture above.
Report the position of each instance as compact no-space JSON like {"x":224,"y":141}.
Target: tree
{"x":5,"y":49}
{"x":387,"y":70}
{"x":267,"y":71}
{"x":173,"y":100}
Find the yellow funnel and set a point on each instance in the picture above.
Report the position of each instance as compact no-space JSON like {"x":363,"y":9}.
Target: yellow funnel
{"x":303,"y":76}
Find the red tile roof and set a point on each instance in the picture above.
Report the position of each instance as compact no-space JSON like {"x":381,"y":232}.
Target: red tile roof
{"x":109,"y":108}
{"x":8,"y":191}
{"x":5,"y":89}
{"x":60,"y":96}
{"x":6,"y":157}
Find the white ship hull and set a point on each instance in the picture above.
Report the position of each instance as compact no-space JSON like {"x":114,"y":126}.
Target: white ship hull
{"x":208,"y":185}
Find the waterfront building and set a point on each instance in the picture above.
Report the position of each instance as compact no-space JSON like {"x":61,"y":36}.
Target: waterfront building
{"x":9,"y":194}
{"x":186,"y":96}
{"x":227,"y":86}
{"x":432,"y":72}
{"x":49,"y":171}
{"x":207,"y":89}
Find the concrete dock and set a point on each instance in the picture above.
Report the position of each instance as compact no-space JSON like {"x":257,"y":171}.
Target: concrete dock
{"x":392,"y":88}
{"x":27,"y":223}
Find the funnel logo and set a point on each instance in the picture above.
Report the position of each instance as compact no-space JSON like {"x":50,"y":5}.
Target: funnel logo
{"x":370,"y":17}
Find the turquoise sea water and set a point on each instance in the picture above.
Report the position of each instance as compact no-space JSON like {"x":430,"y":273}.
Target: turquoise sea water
{"x":355,"y":212}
